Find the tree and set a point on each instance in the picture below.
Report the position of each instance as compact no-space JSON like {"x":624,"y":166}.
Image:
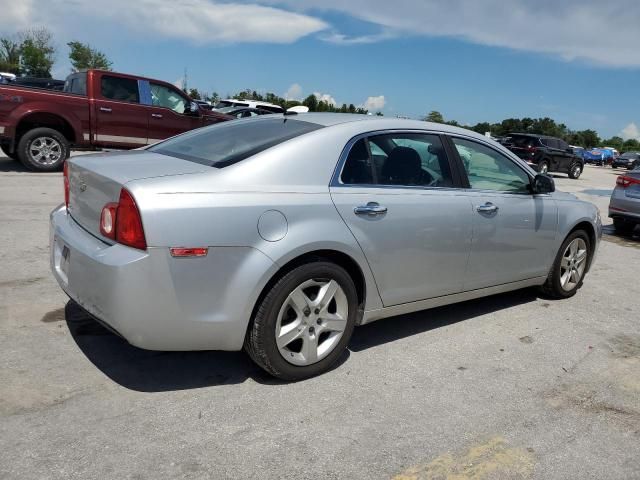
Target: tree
{"x":434,"y":116}
{"x":311,"y":102}
{"x":194,"y":93}
{"x":38,"y":52}
{"x":631,"y":145}
{"x":83,"y":57}
{"x":9,"y":56}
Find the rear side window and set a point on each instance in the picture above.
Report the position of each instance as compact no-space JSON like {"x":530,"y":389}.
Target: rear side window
{"x":522,"y":141}
{"x":403,"y":159}
{"x":118,"y":88}
{"x":231,"y":142}
{"x":76,"y":84}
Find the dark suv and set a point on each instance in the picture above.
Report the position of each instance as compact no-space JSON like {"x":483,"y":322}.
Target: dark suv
{"x":628,"y":160}
{"x":545,"y":154}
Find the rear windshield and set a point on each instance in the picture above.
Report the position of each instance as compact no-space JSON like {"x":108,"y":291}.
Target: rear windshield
{"x":230,"y":142}
{"x":522,"y":141}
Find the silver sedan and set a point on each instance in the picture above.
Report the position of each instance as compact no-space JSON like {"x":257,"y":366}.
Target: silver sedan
{"x":280,"y":234}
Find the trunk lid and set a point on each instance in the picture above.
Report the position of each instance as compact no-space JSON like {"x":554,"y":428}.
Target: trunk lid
{"x":95,"y":180}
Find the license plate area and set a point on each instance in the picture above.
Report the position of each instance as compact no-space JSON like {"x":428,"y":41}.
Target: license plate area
{"x":62,"y":259}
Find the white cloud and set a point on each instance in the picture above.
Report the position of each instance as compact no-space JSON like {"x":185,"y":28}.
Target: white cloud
{"x":375,"y":104}
{"x":325,"y":97}
{"x":342,"y":39}
{"x":198,"y":21}
{"x":631,"y":131}
{"x":294,"y":92}
{"x":595,"y":31}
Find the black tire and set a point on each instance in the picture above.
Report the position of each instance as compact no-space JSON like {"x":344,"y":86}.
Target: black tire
{"x":623,"y":227}
{"x":5,"y":150}
{"x":552,"y":287}
{"x":28,"y":143}
{"x":260,"y":341}
{"x":614,"y":166}
{"x":543,"y":167}
{"x":575,"y":170}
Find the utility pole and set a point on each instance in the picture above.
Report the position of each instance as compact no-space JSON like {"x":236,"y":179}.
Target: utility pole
{"x":184,"y":80}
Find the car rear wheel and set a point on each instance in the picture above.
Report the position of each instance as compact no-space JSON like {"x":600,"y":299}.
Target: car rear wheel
{"x":303,"y":324}
{"x":43,"y":149}
{"x":11,"y":155}
{"x":614,"y":166}
{"x":543,"y":167}
{"x":570,"y":266}
{"x":623,"y":227}
{"x":575,"y":171}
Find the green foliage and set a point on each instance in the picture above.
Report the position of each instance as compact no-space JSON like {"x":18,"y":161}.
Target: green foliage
{"x":312,"y":102}
{"x":434,"y":116}
{"x":194,"y":93}
{"x":83,"y":57}
{"x":9,"y":56}
{"x":38,"y":52}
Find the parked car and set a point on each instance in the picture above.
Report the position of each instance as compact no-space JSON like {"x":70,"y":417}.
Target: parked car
{"x":280,"y":234}
{"x":578,"y":151}
{"x":243,"y":112}
{"x":546,"y":154}
{"x":6,"y":78}
{"x":232,"y":102}
{"x":97,"y":109}
{"x":204,"y":105}
{"x":628,"y":160}
{"x":624,"y":206}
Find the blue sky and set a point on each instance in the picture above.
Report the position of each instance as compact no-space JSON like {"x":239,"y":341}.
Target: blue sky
{"x":578,"y":63}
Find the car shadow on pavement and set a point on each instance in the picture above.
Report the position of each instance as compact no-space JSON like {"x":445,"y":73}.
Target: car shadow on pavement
{"x":392,"y":329}
{"x":155,"y":371}
{"x":9,"y":165}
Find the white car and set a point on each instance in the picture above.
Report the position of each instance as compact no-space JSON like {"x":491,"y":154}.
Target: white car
{"x":234,"y":102}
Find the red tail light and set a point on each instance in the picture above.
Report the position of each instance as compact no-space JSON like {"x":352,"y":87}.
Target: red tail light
{"x":624,"y":181}
{"x":122,"y":222}
{"x":65,"y":174}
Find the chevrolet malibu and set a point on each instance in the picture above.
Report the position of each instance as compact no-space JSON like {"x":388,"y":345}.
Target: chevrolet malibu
{"x":282,"y":233}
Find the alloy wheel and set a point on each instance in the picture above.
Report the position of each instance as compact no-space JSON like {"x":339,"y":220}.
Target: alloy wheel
{"x":573,"y":264}
{"x":45,"y":150}
{"x":311,"y":321}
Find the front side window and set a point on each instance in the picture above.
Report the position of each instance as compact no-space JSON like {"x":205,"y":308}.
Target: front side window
{"x":119,"y":88}
{"x":162,"y":96}
{"x":488,"y":169}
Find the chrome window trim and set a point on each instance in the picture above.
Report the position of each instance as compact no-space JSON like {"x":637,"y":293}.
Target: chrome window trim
{"x":337,"y":173}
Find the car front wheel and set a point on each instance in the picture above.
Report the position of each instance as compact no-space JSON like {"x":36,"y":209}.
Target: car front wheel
{"x":543,"y":167}
{"x":303,"y":324}
{"x":570,"y":266}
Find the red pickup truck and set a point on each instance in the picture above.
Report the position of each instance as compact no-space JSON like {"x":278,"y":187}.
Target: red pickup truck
{"x":96,"y":109}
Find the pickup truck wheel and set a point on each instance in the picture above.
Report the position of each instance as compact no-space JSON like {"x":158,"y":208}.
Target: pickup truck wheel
{"x":43,"y":150}
{"x":5,"y":150}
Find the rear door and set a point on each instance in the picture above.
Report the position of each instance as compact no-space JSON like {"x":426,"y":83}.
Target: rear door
{"x":513,"y":230}
{"x":396,"y":192}
{"x":565,"y":154}
{"x":120,"y":119}
{"x":555,"y":154}
{"x":169,"y":113}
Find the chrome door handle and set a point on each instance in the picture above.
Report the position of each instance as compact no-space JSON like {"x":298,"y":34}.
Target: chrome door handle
{"x":156,"y":115}
{"x":487,"y":208}
{"x":105,"y":109}
{"x":372,"y":209}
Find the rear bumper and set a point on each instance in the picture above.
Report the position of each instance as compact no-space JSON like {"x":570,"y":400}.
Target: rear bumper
{"x":153,"y":300}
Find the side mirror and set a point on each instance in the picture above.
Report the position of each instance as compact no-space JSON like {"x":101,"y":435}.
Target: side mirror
{"x":543,"y":184}
{"x":194,"y":108}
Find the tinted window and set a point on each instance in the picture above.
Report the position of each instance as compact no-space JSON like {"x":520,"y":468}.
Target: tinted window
{"x":118,"y":88}
{"x":76,"y":84}
{"x":231,"y":142}
{"x":166,"y":97}
{"x":522,"y":141}
{"x":488,"y":169}
{"x":550,"y":142}
{"x":562,"y":144}
{"x":410,"y":159}
{"x":357,"y":168}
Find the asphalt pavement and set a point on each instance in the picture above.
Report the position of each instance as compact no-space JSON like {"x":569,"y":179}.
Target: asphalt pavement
{"x":511,"y":386}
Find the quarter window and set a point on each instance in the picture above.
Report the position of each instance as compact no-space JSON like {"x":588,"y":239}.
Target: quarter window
{"x":488,"y":169}
{"x":166,"y":97}
{"x":119,"y":88}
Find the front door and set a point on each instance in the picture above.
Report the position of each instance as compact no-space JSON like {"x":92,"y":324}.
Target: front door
{"x":120,"y":119}
{"x":396,"y":194}
{"x":513,"y":230}
{"x":169,"y":113}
